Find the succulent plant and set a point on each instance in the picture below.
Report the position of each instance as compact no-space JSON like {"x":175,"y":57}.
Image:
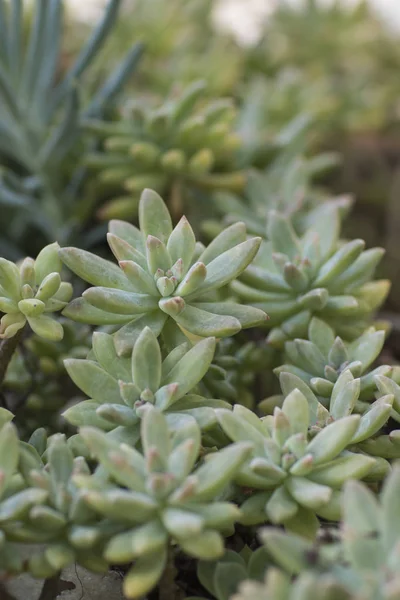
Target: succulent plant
{"x":364,"y":560}
{"x":164,"y":278}
{"x":291,"y":478}
{"x":175,"y":441}
{"x":41,"y":115}
{"x":62,"y":522}
{"x":278,"y":585}
{"x":320,"y":359}
{"x":174,"y":148}
{"x":286,"y":186}
{"x":15,"y":498}
{"x":162,"y":498}
{"x":343,"y":401}
{"x":296,"y":278}
{"x":222,"y":578}
{"x":386,"y":445}
{"x":29,"y":291}
{"x":122,"y":389}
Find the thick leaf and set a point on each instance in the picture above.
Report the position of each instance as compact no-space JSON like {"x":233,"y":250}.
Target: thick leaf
{"x":146,"y":361}
{"x":347,"y":466}
{"x":93,"y":380}
{"x":181,"y":523}
{"x":181,"y":243}
{"x":192,"y":366}
{"x":93,"y":269}
{"x":81,"y":311}
{"x":339,"y":262}
{"x":307,"y":493}
{"x":248,"y":316}
{"x":281,"y":506}
{"x":46,"y":327}
{"x":227,"y":239}
{"x":106,"y":355}
{"x":203,"y":323}
{"x":47,"y":262}
{"x":85,"y":413}
{"x":157,"y":255}
{"x":282,"y":235}
{"x":361,"y":511}
{"x":321,"y":335}
{"x":9,"y":451}
{"x":126,"y":337}
{"x":296,"y":408}
{"x":119,"y":301}
{"x":155,"y":434}
{"x":219,"y":470}
{"x":145,"y":574}
{"x":154,"y":217}
{"x":240,"y":430}
{"x":137,"y":542}
{"x":123,"y":463}
{"x":228,"y":266}
{"x":329,"y":442}
{"x":208,"y":545}
{"x":127,"y":232}
{"x":125,"y":252}
{"x":288,"y":550}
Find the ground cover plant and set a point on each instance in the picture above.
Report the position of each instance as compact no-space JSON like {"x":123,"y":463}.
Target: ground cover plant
{"x":195,"y":385}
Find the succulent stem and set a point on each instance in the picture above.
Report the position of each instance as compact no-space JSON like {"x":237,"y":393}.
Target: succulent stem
{"x":7,"y":349}
{"x":167,"y":587}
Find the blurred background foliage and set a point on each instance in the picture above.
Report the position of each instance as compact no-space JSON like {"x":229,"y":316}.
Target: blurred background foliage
{"x":319,"y":84}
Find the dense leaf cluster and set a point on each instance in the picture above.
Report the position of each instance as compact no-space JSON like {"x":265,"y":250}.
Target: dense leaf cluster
{"x":194,"y":391}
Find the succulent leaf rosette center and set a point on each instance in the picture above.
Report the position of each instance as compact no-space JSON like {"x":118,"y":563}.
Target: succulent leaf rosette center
{"x":164,"y":277}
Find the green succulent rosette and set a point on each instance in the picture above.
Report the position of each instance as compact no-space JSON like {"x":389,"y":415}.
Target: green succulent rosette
{"x":320,"y":359}
{"x":293,"y":476}
{"x":363,"y":560}
{"x":16,"y":499}
{"x":286,"y":186}
{"x":122,"y":389}
{"x":181,"y":146}
{"x":294,"y":278}
{"x":162,"y":497}
{"x":278,"y":584}
{"x":59,"y":520}
{"x":32,"y":290}
{"x":344,"y":401}
{"x":164,"y":279}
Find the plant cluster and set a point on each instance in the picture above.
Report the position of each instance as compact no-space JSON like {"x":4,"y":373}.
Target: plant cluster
{"x":179,"y":148}
{"x":219,"y":375}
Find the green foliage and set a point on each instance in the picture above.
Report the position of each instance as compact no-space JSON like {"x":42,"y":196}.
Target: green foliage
{"x":122,"y":389}
{"x":294,"y":278}
{"x":161,"y":497}
{"x":137,"y":438}
{"x":164,"y":278}
{"x":30,"y":291}
{"x":279,"y":585}
{"x":321,"y":359}
{"x":41,"y":118}
{"x":299,"y":471}
{"x":178,"y":148}
{"x":37,"y":384}
{"x":222,"y":578}
{"x":362,"y":563}
{"x":317,"y":59}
